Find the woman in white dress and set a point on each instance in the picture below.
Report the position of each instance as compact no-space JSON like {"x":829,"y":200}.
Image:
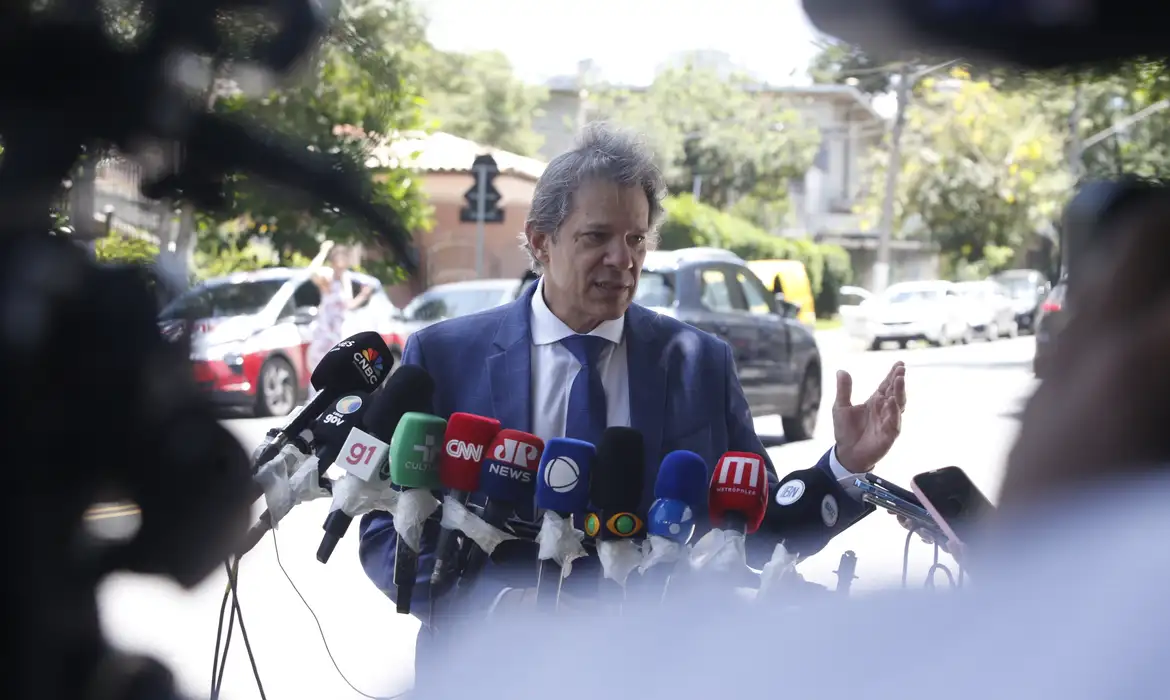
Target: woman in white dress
{"x":337,"y":299}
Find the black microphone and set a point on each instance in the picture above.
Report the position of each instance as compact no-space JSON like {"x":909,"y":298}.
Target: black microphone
{"x":804,"y":512}
{"x":365,"y":453}
{"x":328,"y":434}
{"x":358,"y":363}
{"x":615,"y":495}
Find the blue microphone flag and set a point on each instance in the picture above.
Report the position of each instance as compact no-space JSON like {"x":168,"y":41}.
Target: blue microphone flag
{"x":562,"y":483}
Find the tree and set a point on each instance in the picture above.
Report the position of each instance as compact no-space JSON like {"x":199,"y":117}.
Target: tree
{"x":841,"y":63}
{"x":360,"y":89}
{"x":982,"y":170}
{"x":477,"y":96}
{"x":731,"y":137}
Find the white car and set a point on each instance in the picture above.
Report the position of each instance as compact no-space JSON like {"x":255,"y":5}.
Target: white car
{"x":455,"y":299}
{"x":930,"y":311}
{"x":990,"y":311}
{"x":850,"y":311}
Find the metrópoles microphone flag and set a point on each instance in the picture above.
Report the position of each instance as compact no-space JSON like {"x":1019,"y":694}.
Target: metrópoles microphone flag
{"x":562,"y":491}
{"x":508,"y":479}
{"x":414,"y":468}
{"x":358,"y":363}
{"x":615,"y":494}
{"x":738,"y":494}
{"x":467,"y":439}
{"x":365,"y":453}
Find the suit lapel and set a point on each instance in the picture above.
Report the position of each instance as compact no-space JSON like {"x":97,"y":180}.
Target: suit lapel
{"x":510,"y":370}
{"x":647,"y":370}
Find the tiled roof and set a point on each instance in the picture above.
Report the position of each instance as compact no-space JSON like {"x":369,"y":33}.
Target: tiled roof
{"x":443,"y":152}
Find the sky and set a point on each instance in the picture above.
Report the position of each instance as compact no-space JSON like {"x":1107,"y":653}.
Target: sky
{"x":629,"y":39}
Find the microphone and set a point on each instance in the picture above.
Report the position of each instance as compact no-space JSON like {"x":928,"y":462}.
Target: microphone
{"x":467,"y":436}
{"x":803,"y":511}
{"x":358,"y":363}
{"x":294,"y":485}
{"x":679,"y":491}
{"x":736,"y":500}
{"x":562,"y":491}
{"x":414,"y":467}
{"x":615,"y":491}
{"x":508,"y":479}
{"x":364,"y":454}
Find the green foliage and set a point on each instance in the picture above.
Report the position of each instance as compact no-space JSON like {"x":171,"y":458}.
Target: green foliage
{"x":689,"y":223}
{"x":124,"y":250}
{"x":361,"y":88}
{"x":741,"y":142}
{"x":980,"y":169}
{"x":838,"y":272}
{"x":230,"y":259}
{"x":477,"y":96}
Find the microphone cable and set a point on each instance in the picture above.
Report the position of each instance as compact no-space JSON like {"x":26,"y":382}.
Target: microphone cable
{"x":219,"y":663}
{"x":934,"y":568}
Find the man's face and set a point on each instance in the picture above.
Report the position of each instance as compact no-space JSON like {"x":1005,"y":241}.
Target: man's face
{"x":592,"y":269}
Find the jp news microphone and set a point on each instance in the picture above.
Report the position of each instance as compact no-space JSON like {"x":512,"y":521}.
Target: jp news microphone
{"x":328,"y":434}
{"x":804,"y":512}
{"x":365,"y":453}
{"x":508,"y":479}
{"x":414,"y":467}
{"x":615,"y":487}
{"x":467,"y":438}
{"x":358,"y":363}
{"x":738,"y":493}
{"x":562,"y":487}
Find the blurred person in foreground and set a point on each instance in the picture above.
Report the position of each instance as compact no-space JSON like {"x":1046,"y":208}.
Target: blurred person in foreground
{"x":594,"y":214}
{"x":337,"y":300}
{"x":1068,"y":598}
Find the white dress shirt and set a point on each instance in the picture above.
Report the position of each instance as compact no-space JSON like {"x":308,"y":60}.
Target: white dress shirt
{"x":554,"y":368}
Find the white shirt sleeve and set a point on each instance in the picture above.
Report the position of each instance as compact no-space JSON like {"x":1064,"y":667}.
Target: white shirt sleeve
{"x":843,"y":475}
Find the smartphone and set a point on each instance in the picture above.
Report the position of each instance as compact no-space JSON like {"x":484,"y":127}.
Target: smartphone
{"x":953,"y":501}
{"x":915,"y":513}
{"x":893,"y":488}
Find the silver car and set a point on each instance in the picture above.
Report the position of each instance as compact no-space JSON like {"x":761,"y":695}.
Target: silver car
{"x":990,"y":310}
{"x":456,"y":299}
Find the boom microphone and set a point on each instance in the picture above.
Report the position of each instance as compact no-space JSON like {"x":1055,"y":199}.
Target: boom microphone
{"x":615,"y":492}
{"x":562,"y":491}
{"x":365,"y":453}
{"x":738,"y":495}
{"x":414,"y":467}
{"x":508,"y":479}
{"x":464,"y":443}
{"x":804,"y":511}
{"x":358,"y":363}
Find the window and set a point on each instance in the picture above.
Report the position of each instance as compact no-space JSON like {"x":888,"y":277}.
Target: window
{"x":222,"y":299}
{"x":851,"y":299}
{"x":716,"y":293}
{"x":451,"y":303}
{"x":307,"y":295}
{"x":753,"y":293}
{"x":655,"y":289}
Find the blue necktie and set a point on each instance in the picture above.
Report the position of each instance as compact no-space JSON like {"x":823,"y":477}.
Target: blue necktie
{"x":586,"y":418}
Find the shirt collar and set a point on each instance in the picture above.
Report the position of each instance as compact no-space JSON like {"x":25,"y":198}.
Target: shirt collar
{"x":548,"y":329}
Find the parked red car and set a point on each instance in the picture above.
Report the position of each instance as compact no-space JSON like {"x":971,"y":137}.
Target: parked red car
{"x":249,"y":332}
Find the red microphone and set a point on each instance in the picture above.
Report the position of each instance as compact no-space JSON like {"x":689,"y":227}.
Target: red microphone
{"x":738,"y":496}
{"x":467,"y":438}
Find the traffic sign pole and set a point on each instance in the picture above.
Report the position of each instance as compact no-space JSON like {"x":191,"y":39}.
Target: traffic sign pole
{"x":481,"y":177}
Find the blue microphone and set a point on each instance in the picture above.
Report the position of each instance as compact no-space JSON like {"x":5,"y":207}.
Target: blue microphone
{"x":562,"y":487}
{"x":679,"y":492}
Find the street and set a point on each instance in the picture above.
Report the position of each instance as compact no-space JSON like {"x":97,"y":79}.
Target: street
{"x":961,"y":411}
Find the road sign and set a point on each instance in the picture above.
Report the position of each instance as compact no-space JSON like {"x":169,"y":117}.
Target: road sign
{"x":483,"y":203}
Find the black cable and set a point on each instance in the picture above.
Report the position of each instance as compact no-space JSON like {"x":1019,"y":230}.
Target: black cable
{"x":219,"y":639}
{"x":934,"y":568}
{"x":321,"y":631}
{"x":233,"y":567}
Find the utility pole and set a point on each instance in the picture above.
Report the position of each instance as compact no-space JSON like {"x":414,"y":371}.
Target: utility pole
{"x":903,"y":91}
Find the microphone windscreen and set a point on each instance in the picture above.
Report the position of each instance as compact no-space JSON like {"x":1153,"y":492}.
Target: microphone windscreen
{"x":332,"y":427}
{"x":414,"y":451}
{"x":619,"y":471}
{"x":739,"y":486}
{"x":468,"y":436}
{"x":410,"y":389}
{"x":682,"y":476}
{"x":562,"y":483}
{"x":508,"y":474}
{"x":361,"y":361}
{"x":672,"y":519}
{"x":803,"y":511}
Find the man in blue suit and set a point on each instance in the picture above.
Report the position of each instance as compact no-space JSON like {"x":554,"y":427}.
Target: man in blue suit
{"x":573,"y":354}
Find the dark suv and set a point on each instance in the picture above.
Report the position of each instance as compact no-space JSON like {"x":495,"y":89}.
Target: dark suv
{"x":776,"y":355}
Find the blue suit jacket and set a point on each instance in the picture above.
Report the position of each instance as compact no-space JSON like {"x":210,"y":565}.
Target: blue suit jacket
{"x":684,"y":395}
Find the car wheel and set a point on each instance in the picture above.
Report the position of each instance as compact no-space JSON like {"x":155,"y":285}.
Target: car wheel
{"x":903,"y":343}
{"x":968,"y":336}
{"x":992,"y":332}
{"x":875,"y":345}
{"x":804,"y":423}
{"x":276,"y":393}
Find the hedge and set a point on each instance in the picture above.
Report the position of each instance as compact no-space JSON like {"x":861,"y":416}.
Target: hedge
{"x":689,"y":223}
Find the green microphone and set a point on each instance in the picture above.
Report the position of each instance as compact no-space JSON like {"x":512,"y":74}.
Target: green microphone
{"x":414,"y":468}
